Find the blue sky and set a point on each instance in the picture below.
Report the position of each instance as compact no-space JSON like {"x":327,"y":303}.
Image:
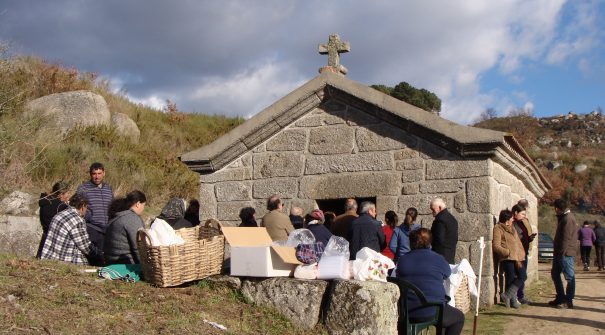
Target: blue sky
{"x":236,"y":57}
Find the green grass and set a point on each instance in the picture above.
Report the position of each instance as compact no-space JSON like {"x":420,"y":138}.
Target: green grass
{"x":58,"y":298}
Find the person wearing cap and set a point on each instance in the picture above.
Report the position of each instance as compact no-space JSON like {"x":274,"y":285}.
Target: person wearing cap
{"x":314,"y":221}
{"x":277,"y":223}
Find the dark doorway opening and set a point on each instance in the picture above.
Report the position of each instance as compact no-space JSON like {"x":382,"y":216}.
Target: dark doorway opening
{"x":337,"y":206}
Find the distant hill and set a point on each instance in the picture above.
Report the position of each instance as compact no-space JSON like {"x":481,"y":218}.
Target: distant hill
{"x":569,"y":150}
{"x":32,"y":158}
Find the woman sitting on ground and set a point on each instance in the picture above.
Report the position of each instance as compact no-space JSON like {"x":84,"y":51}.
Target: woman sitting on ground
{"x":400,"y":242}
{"x":121,"y":234}
{"x":174,"y":213}
{"x":510,"y":254}
{"x":427,"y":270}
{"x":314,"y":221}
{"x":247,"y":215}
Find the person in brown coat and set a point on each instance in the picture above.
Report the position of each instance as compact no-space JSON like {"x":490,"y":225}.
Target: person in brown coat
{"x":277,"y":223}
{"x":341,"y":226}
{"x":566,"y":245}
{"x":510,"y":254}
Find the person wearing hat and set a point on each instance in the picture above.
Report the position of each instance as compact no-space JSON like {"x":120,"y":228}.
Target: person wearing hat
{"x":314,"y":221}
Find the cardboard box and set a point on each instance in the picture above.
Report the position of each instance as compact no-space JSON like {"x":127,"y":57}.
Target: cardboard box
{"x":253,"y":255}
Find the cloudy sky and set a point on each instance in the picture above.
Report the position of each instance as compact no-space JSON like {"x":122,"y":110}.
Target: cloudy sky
{"x":236,"y":57}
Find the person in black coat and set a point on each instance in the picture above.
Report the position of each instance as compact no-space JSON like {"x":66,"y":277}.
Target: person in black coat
{"x":50,"y":205}
{"x":366,"y":231}
{"x":444,"y":231}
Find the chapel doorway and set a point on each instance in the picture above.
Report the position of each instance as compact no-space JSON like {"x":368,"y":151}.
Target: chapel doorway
{"x":337,"y":206}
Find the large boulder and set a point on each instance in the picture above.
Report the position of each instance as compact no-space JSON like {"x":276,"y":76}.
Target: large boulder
{"x":299,"y":300}
{"x":126,"y":127}
{"x":18,"y":203}
{"x":70,"y":109}
{"x":19,"y":235}
{"x":362,"y":307}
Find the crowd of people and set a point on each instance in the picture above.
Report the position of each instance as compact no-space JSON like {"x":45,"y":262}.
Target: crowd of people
{"x":93,"y":228}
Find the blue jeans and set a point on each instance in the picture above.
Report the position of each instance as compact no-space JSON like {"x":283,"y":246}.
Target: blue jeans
{"x":565,"y":265}
{"x":523,"y":277}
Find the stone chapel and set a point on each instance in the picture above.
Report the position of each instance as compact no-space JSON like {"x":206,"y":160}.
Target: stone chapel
{"x":333,"y":139}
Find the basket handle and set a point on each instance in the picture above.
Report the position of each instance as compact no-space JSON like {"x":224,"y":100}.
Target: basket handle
{"x":142,"y":234}
{"x":210,"y":222}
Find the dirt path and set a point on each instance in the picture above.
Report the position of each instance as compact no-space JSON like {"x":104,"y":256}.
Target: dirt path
{"x":588,"y":316}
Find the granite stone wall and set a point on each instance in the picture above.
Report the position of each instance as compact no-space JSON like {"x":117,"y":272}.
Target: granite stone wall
{"x":337,"y":151}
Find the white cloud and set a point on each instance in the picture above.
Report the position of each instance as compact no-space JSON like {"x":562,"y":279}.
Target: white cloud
{"x":248,"y":92}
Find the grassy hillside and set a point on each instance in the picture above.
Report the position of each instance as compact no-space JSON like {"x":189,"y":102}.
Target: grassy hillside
{"x":33,"y":158}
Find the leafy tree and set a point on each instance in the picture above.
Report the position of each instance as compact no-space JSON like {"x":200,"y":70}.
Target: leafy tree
{"x":421,"y":98}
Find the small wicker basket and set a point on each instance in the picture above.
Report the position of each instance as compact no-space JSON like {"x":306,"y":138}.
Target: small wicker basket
{"x":462,"y":298}
{"x":199,"y":257}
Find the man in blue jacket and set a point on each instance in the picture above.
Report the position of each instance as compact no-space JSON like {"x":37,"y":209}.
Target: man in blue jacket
{"x":99,"y":196}
{"x":366,"y":231}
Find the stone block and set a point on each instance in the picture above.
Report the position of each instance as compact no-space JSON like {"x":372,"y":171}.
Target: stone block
{"x":247,"y":160}
{"x":371,"y":161}
{"x":284,"y":188}
{"x":421,"y":202}
{"x":20,"y":235}
{"x":383,"y":137}
{"x":405,"y":154}
{"x":385,"y":204}
{"x":471,"y":226}
{"x":501,"y":175}
{"x":229,"y":211}
{"x":331,"y":140}
{"x":488,"y":293}
{"x":309,"y":121}
{"x":362,"y":307}
{"x":475,"y":257}
{"x":307,"y":205}
{"x":235,"y":190}
{"x":207,"y":202}
{"x":462,"y":251}
{"x":410,"y":188}
{"x":429,"y":150}
{"x":333,"y":118}
{"x":260,"y":148}
{"x":226,"y":175}
{"x":362,"y":184}
{"x":297,"y":109}
{"x":449,"y":169}
{"x":288,"y":140}
{"x":298,"y":300}
{"x":478,"y":195}
{"x":410,"y":176}
{"x":460,"y":201}
{"x":355,"y":117}
{"x":271,"y":165}
{"x":442,"y":186}
{"x":409,"y":164}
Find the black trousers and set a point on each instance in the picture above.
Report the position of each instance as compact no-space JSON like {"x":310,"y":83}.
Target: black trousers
{"x":97,"y":238}
{"x":453,"y":320}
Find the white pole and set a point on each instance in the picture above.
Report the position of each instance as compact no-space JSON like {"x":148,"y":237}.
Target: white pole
{"x":481,"y":247}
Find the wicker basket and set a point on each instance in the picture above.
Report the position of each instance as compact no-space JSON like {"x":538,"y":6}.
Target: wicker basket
{"x":463,"y":296}
{"x":199,"y":257}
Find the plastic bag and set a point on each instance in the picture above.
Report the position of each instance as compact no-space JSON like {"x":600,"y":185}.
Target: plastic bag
{"x":300,"y":236}
{"x":334,"y":267}
{"x":337,"y":246}
{"x":307,"y":271}
{"x":371,"y":265}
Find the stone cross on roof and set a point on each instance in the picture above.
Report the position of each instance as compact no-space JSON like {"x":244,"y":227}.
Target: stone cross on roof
{"x":333,"y":49}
